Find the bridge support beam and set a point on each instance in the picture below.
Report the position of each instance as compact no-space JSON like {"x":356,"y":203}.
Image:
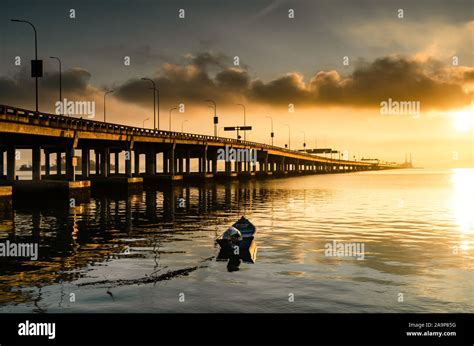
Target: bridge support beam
{"x":151,"y":162}
{"x":136,"y":170}
{"x":47,"y":163}
{"x":69,"y":168}
{"x":97,"y":162}
{"x":58,"y":163}
{"x":180,"y":164}
{"x":203,"y":161}
{"x":105,"y":162}
{"x":214,"y":163}
{"x":165,"y":162}
{"x":117,"y":162}
{"x":11,"y":163}
{"x":36,"y":160}
{"x":128,"y":163}
{"x":2,"y":163}
{"x":172,"y":161}
{"x":85,"y":163}
{"x":188,"y":162}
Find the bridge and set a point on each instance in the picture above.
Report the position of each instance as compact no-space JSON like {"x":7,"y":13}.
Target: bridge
{"x":65,"y":136}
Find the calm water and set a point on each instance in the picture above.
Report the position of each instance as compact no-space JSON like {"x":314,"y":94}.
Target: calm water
{"x":417,"y":227}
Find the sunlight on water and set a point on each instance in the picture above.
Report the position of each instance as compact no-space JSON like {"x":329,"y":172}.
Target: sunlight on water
{"x":136,"y":253}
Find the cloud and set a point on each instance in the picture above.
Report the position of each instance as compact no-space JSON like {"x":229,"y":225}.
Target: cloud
{"x":395,"y":77}
{"x":19,"y":89}
{"x":192,"y":82}
{"x":434,"y":84}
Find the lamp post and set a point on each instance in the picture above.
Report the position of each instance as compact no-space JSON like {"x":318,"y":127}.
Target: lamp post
{"x":105,"y":94}
{"x":36,"y":55}
{"x":60,"y":72}
{"x":154,"y":102}
{"x":144,"y":122}
{"x":216,"y":119}
{"x":289,"y":136}
{"x":304,"y":140}
{"x":243,"y":106}
{"x":171,"y":110}
{"x":272,"y":134}
{"x":182,"y":125}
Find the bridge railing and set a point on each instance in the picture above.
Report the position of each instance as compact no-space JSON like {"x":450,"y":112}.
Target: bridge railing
{"x":65,"y":122}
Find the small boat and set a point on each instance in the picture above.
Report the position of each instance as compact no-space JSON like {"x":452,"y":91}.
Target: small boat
{"x":240,"y":234}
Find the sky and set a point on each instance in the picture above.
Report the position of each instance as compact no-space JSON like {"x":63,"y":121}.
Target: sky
{"x":335,"y":63}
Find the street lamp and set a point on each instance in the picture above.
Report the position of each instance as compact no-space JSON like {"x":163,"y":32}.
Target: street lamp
{"x":304,"y":140}
{"x":240,"y":104}
{"x":105,"y":94}
{"x":37,"y":73}
{"x":216,"y":119}
{"x":144,"y":122}
{"x":289,"y":134}
{"x":60,"y":71}
{"x":171,"y":110}
{"x":157,"y":106}
{"x":182,"y":125}
{"x":154,"y":102}
{"x":271,"y":133}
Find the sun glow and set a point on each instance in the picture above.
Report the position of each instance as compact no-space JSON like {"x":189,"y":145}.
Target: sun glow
{"x":463,"y":199}
{"x":463,"y":119}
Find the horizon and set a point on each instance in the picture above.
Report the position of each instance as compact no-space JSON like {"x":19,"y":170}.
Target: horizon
{"x":336,"y":90}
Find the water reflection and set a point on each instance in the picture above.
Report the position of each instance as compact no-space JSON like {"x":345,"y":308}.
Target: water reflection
{"x":168,"y":234}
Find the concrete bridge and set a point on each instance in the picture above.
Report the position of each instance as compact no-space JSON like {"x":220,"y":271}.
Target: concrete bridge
{"x":65,"y":137}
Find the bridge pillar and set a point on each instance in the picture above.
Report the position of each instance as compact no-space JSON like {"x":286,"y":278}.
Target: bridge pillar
{"x":172,"y":161}
{"x":136,"y":170}
{"x":11,"y":163}
{"x":151,"y":162}
{"x":2,"y":163}
{"x":85,"y":163}
{"x":165,"y":162}
{"x":69,"y":167}
{"x":117,"y":163}
{"x":180,"y":164}
{"x":97,"y":162}
{"x":203,"y":160}
{"x":47,"y":163}
{"x":105,"y":162}
{"x":107,"y":158}
{"x":58,"y":163}
{"x":188,"y":162}
{"x":214,"y":164}
{"x":128,"y":163}
{"x":36,"y":160}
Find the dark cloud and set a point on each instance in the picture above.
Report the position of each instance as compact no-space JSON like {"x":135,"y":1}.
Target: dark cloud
{"x":211,"y":75}
{"x":396,"y":77}
{"x":192,"y":82}
{"x":20,"y":89}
